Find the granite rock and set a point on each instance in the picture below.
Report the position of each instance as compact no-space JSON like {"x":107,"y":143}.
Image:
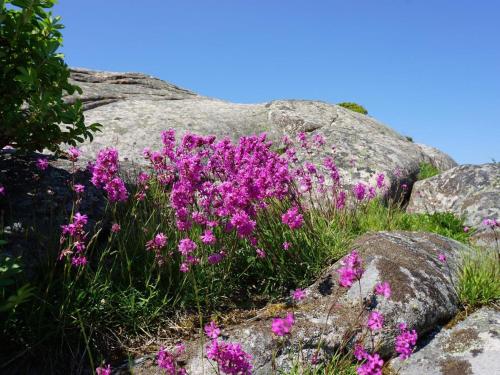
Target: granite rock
{"x":472,"y":347}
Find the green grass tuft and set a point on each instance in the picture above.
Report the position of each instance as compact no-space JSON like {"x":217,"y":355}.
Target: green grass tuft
{"x":427,"y":170}
{"x":479,"y":281}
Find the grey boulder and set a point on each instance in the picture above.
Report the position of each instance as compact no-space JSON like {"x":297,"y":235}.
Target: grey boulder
{"x":472,"y":347}
{"x":134,"y":108}
{"x":423,"y":297}
{"x":468,"y":191}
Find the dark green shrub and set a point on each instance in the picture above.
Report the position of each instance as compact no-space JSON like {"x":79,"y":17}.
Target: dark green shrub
{"x":354,"y":107}
{"x":427,"y":170}
{"x":33,"y":79}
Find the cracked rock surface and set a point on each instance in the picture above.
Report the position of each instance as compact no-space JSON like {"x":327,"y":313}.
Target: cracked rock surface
{"x":134,"y":108}
{"x":472,"y":347}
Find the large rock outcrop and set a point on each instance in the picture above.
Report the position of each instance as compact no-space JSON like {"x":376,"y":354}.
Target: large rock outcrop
{"x":423,"y":297}
{"x":135,"y":108}
{"x":469,"y":191}
{"x":472,"y":347}
{"x":36,"y":203}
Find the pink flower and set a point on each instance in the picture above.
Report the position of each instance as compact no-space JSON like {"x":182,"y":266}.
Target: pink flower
{"x":216,"y":258}
{"x":79,"y":188}
{"x":359,"y":191}
{"x":442,"y":257}
{"x":380,"y":180}
{"x":260,"y":253}
{"x":157,"y":243}
{"x":286,"y":245}
{"x":105,"y":175}
{"x":243,"y":224}
{"x":212,"y":331}
{"x":492,"y":223}
{"x":340,"y":200}
{"x":298,"y":294}
{"x":405,"y":342}
{"x":351,"y":269}
{"x":230,"y":358}
{"x":375,"y":321}
{"x":186,"y":246}
{"x":103,"y":370}
{"x":318,"y":140}
{"x":359,"y":352}
{"x":208,"y":237}
{"x":115,"y":228}
{"x":383,"y":289}
{"x":372,"y":366}
{"x":184,"y":267}
{"x":78,"y":261}
{"x":79,"y":219}
{"x":42,"y":164}
{"x":466,"y":229}
{"x":283,"y":326}
{"x":292,"y":218}
{"x":332,"y":168}
{"x":2,"y":190}
{"x":168,"y":360}
{"x":404,"y":187}
{"x":74,"y":153}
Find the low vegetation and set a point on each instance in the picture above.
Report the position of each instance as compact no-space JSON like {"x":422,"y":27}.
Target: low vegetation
{"x":210,"y":227}
{"x":354,"y":107}
{"x":427,"y":170}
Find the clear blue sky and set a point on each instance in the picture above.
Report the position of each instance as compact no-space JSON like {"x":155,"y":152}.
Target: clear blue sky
{"x":428,"y":68}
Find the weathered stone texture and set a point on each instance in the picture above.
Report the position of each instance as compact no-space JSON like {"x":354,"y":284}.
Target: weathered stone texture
{"x":472,"y":347}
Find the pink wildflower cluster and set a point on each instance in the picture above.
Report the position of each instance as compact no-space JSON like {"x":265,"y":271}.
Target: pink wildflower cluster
{"x":383,"y":289}
{"x":103,"y":370}
{"x":491,"y":223}
{"x":375,"y":321}
{"x":351,"y":270}
{"x":187,"y":248}
{"x":212,"y":331}
{"x":372,"y":365}
{"x":283,"y":326}
{"x":158,"y":242}
{"x":219,"y":184}
{"x":73,"y":154}
{"x":293,"y":218}
{"x":405,"y":341}
{"x":230,"y":357}
{"x":105,"y":175}
{"x":169,"y":360}
{"x":298,"y":294}
{"x":76,"y":234}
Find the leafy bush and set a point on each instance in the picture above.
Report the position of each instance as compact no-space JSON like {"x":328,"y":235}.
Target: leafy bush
{"x":33,"y":80}
{"x":354,"y":107}
{"x":427,"y":170}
